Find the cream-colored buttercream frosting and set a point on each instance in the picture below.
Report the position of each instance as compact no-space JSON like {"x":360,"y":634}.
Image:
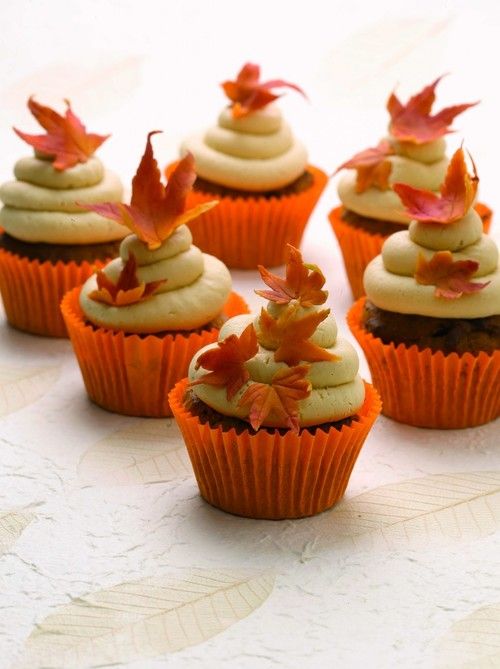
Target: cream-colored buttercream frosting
{"x":419,"y":165}
{"x":255,"y":153}
{"x":196,"y":289}
{"x":389,"y":278}
{"x":41,"y":204}
{"x":337,"y":389}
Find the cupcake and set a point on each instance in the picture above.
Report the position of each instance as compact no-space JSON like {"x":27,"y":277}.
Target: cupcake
{"x":49,"y":242}
{"x":413,"y":153}
{"x":275,"y":413}
{"x":430,"y":322}
{"x":251,"y":161}
{"x":136,"y":324}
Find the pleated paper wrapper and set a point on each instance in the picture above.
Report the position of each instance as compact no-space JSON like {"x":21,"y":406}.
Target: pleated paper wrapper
{"x":32,"y":291}
{"x":359,"y":247}
{"x":430,"y":389}
{"x":266,"y":474}
{"x":254,"y":230}
{"x":132,"y":374}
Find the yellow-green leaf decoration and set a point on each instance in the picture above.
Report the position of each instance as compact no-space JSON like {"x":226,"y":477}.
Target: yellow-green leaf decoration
{"x":149,"y":451}
{"x":20,"y":386}
{"x":145,"y":618}
{"x":472,"y":642}
{"x":12,"y":525}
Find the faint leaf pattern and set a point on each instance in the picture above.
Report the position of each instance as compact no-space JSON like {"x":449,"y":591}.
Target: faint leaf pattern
{"x":145,"y":618}
{"x":413,"y":513}
{"x":20,"y":386}
{"x":150,"y":451}
{"x":12,"y":525}
{"x":473,"y":642}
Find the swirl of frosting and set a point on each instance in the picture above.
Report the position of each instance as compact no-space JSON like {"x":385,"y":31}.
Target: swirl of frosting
{"x":419,"y":165}
{"x":255,"y":153}
{"x":389,"y":278}
{"x":195,"y":291}
{"x":337,"y":389}
{"x":40,"y":205}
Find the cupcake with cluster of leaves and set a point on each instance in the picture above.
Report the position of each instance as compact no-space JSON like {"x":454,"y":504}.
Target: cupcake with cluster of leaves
{"x":50,"y":243}
{"x":274,"y":414}
{"x":253,"y":163}
{"x":414,"y":152}
{"x":136,"y":324}
{"x":430,"y":322}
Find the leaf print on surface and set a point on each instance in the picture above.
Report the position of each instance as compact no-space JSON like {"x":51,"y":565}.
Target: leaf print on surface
{"x":473,"y":642}
{"x":20,"y":386}
{"x":12,"y":525}
{"x":149,"y":451}
{"x":414,"y":513}
{"x":145,"y":618}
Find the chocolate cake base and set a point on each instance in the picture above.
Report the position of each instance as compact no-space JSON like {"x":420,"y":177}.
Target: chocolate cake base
{"x":59,"y":252}
{"x":215,"y":419}
{"x":449,"y":335}
{"x":304,"y":182}
{"x":375,"y":226}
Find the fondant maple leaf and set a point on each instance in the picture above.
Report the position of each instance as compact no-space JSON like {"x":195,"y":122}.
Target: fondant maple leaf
{"x":227,"y":362}
{"x":451,"y":278}
{"x":155,"y":210}
{"x":248,"y":94}
{"x":458,"y":192}
{"x":279,"y":398}
{"x":127,"y":290}
{"x":372,"y":167}
{"x":414,"y":123}
{"x":66,"y":141}
{"x":288,"y":335}
{"x":303,"y":282}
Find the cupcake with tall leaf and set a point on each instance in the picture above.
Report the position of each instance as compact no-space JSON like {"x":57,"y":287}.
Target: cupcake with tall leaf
{"x":430,"y":322}
{"x":136,"y":324}
{"x":274,"y":414}
{"x":414,"y":152}
{"x":50,"y":242}
{"x":257,"y":168}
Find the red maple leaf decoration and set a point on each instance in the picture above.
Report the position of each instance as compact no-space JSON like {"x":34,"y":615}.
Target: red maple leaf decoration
{"x":227,"y":362}
{"x":458,"y":192}
{"x":451,"y":278}
{"x":372,"y":167}
{"x":414,"y":123}
{"x":66,"y":141}
{"x":248,"y":94}
{"x":303,"y":282}
{"x":289,"y":336}
{"x":127,"y":290}
{"x":279,"y":398}
{"x":155,"y":210}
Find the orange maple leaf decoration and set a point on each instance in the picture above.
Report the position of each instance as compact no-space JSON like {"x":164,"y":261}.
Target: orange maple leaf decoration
{"x":372,"y":167}
{"x":458,"y":192}
{"x":155,"y":211}
{"x":248,"y":94}
{"x":414,"y":123}
{"x":303,"y":282}
{"x":66,"y":141}
{"x":451,"y":278}
{"x":289,"y":336}
{"x":227,"y":362}
{"x":279,"y":398}
{"x":127,"y":290}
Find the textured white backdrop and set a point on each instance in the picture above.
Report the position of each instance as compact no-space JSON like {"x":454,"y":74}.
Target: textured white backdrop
{"x":381,"y":580}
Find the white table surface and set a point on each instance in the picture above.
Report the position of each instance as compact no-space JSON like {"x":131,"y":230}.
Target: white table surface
{"x":384,"y":580}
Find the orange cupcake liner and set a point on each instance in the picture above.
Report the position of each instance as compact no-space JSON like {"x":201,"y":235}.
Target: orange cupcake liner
{"x":251,"y":231}
{"x":32,"y":291}
{"x":359,"y":247}
{"x":266,"y":474}
{"x":132,"y":374}
{"x":430,"y":389}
